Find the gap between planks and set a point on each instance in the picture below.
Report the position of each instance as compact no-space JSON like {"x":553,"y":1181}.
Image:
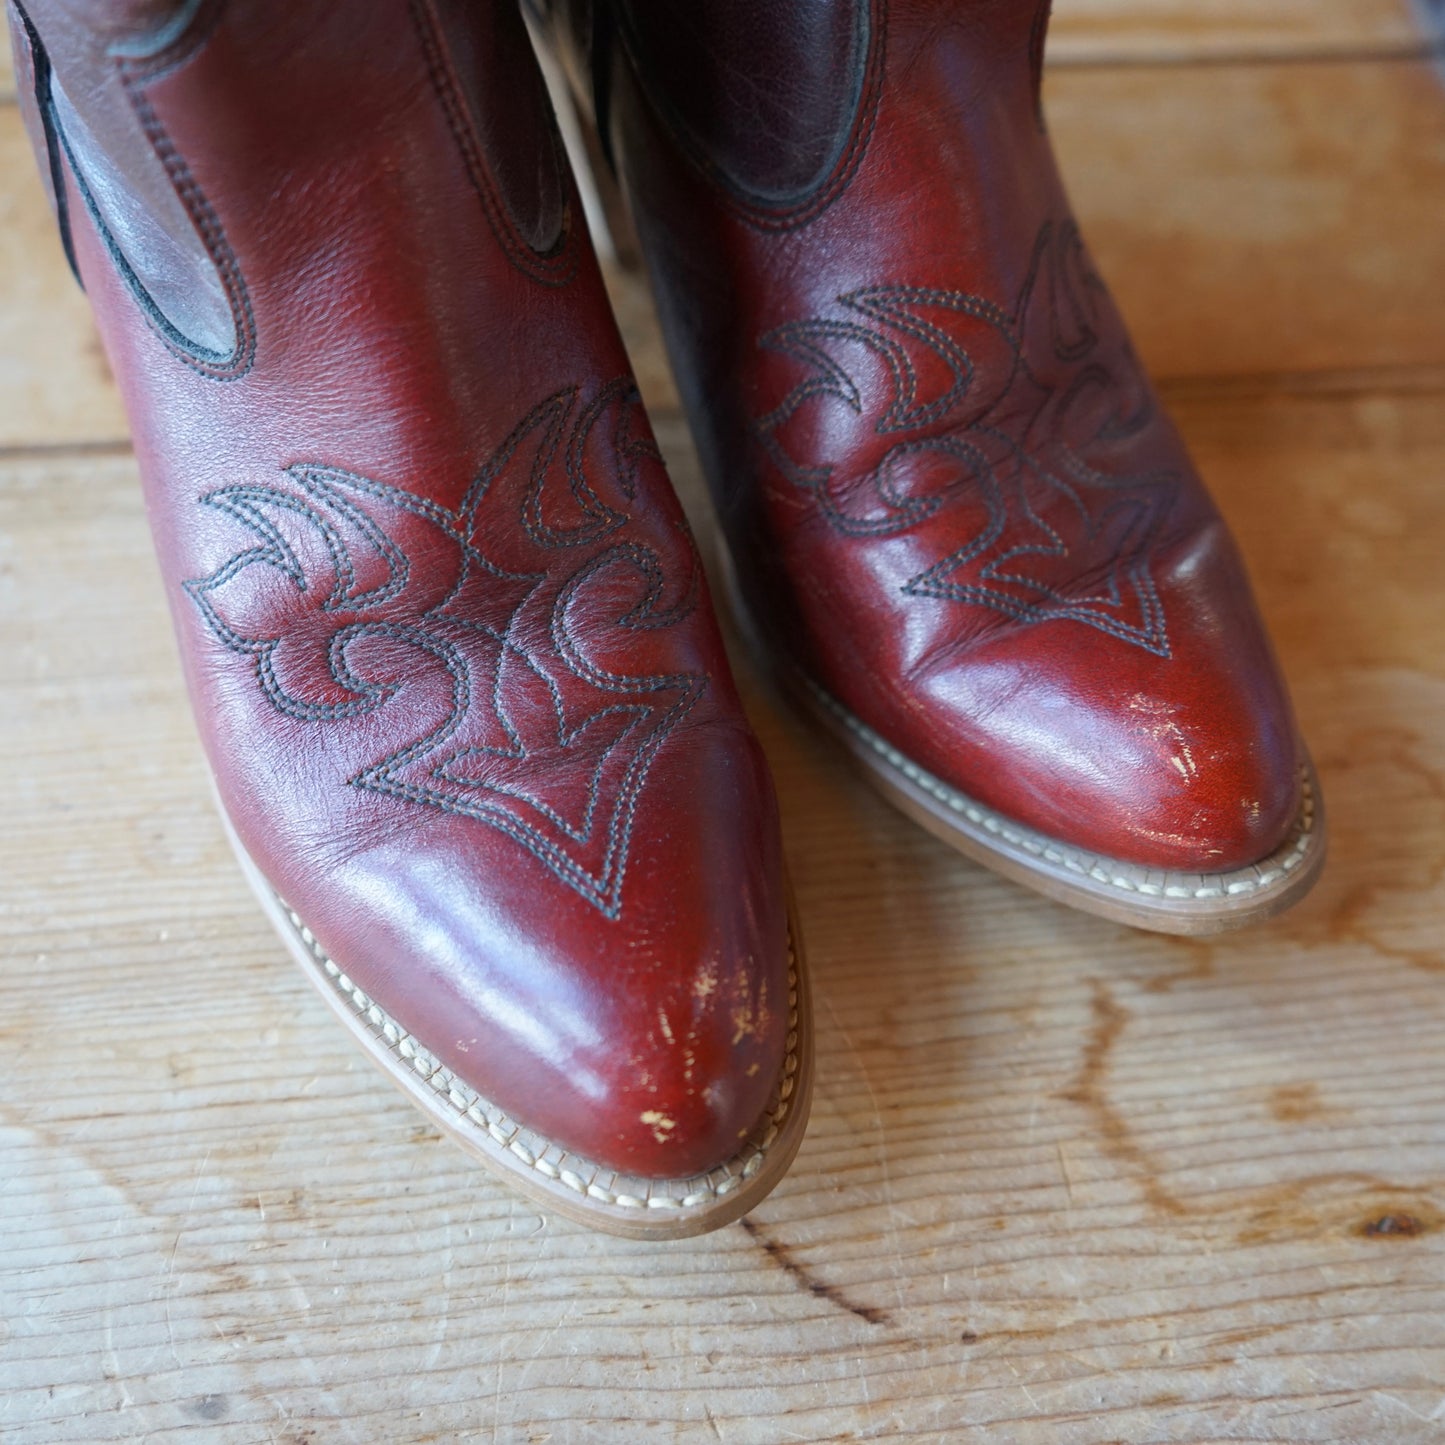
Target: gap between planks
{"x":1430,"y":46}
{"x":1168,"y":58}
{"x":1248,"y":386}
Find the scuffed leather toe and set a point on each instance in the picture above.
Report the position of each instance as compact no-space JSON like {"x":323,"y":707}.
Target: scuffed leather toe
{"x":1122,"y":755}
{"x":649,"y":1044}
{"x":1144,"y":781}
{"x":447,"y":636}
{"x":961,"y":520}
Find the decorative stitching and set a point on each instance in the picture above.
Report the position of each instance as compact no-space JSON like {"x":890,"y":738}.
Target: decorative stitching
{"x":472,"y":1113}
{"x":889,"y":305}
{"x":1058,"y":254}
{"x":512,"y":760}
{"x":135,"y":74}
{"x":1130,"y":561}
{"x":1006,"y":441}
{"x":554,"y":267}
{"x":1127,"y":877}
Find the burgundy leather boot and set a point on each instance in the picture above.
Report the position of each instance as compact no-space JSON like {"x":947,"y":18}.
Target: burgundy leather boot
{"x":451,"y":653}
{"x":963,"y":529}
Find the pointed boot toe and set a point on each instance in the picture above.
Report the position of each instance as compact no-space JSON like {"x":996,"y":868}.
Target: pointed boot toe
{"x":450,"y":649}
{"x":963,"y":529}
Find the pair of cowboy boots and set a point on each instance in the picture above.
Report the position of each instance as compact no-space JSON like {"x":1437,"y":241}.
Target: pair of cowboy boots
{"x":452,"y":653}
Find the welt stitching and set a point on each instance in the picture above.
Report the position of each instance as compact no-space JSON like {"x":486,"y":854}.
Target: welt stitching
{"x":472,"y":1111}
{"x":1256,"y":877}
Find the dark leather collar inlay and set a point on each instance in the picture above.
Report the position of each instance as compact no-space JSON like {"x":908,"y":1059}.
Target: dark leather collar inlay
{"x":505,"y":134}
{"x":183,"y":276}
{"x":358,"y":595}
{"x":773,"y":103}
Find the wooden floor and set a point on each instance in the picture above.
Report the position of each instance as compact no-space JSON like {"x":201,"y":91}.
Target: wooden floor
{"x":1064,"y":1182}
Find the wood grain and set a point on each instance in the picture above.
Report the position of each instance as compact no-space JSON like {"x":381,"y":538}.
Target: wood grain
{"x":1065,"y":1184}
{"x":1263,"y":218}
{"x":55,"y":384}
{"x":1268,"y":217}
{"x":1173,"y":31}
{"x":1250,"y":219}
{"x":1093,"y":31}
{"x":1063,"y":1180}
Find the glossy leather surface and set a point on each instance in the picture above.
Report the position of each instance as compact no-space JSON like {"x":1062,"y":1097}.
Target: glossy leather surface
{"x":952,"y":497}
{"x":452,"y":656}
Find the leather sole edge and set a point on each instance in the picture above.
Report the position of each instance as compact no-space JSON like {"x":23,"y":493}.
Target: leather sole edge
{"x":1159,"y":901}
{"x":630,"y":1206}
{"x":1191,"y":904}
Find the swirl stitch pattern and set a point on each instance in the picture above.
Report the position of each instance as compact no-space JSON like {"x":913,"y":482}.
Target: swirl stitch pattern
{"x":358,"y":596}
{"x":922,"y":407}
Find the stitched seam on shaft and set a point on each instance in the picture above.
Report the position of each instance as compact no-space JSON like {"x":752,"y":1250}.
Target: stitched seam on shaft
{"x":785,"y":218}
{"x":555,"y":269}
{"x":472,"y":1109}
{"x":134,"y":76}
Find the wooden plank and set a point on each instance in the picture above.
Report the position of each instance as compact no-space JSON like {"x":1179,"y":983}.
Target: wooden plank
{"x":1065,"y":1183}
{"x":1091,"y":32}
{"x":1251,"y":220}
{"x":55,"y":383}
{"x":1267,"y":218}
{"x":1102,"y":31}
{"x":1257,"y":219}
